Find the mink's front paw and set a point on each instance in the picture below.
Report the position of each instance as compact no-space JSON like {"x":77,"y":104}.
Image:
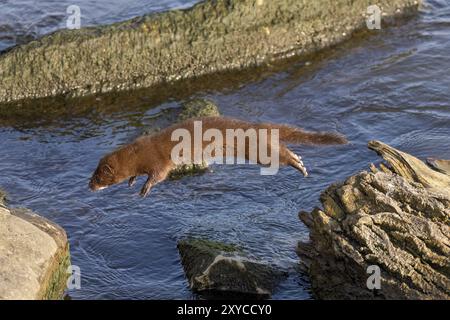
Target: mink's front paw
{"x":132,"y":181}
{"x":145,"y":191}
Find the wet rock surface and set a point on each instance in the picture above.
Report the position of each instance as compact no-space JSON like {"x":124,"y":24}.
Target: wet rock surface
{"x":217,"y":270}
{"x":160,"y":48}
{"x":34,"y":256}
{"x":397,"y":218}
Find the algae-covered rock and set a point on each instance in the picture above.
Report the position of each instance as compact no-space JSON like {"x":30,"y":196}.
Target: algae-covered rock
{"x":198,"y":108}
{"x":194,"y":108}
{"x":34,"y":257}
{"x":187,"y":170}
{"x":215,"y":269}
{"x":396,"y":219}
{"x":160,"y":48}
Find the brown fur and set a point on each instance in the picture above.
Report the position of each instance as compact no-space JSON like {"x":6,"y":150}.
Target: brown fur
{"x":151,"y":155}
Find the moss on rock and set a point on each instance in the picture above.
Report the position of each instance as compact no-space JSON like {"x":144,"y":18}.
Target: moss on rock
{"x":2,"y":197}
{"x":198,"y":108}
{"x":187,"y":170}
{"x":58,"y":276}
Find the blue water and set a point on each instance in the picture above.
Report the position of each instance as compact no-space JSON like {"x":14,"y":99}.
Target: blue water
{"x":24,"y":20}
{"x":391,"y":86}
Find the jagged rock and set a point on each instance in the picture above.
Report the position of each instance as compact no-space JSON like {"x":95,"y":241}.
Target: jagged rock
{"x":215,"y":269}
{"x":34,"y":256}
{"x":396,"y":218}
{"x":187,"y":170}
{"x":411,"y":168}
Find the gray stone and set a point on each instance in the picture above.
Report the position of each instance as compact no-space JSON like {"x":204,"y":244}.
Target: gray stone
{"x":214,"y":270}
{"x":213,"y":36}
{"x":34,"y":256}
{"x":397,"y":218}
{"x":194,"y":108}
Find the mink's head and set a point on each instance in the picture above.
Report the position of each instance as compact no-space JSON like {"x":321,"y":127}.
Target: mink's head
{"x":108,"y":172}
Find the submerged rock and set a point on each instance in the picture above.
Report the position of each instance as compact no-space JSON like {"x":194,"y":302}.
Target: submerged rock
{"x":188,"y":170}
{"x":396,"y":218}
{"x":198,"y":108}
{"x":34,"y":256}
{"x":212,"y":36}
{"x":191,"y":109}
{"x":214,"y":269}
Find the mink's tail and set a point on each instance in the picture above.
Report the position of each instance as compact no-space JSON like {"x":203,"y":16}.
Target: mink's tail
{"x":295,"y":135}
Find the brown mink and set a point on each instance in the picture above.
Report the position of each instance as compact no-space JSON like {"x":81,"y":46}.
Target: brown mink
{"x":151,"y":155}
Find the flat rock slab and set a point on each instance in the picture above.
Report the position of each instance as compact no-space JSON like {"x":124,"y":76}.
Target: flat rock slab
{"x":34,"y":256}
{"x":217,"y":270}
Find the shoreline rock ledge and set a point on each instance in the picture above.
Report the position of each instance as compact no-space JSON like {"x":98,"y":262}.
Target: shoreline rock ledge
{"x":210,"y":37}
{"x":396,"y":217}
{"x":34,"y":256}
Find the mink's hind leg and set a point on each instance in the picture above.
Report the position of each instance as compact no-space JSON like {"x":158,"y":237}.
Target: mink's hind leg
{"x":147,"y":186}
{"x":153,"y":179}
{"x":287,"y":157}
